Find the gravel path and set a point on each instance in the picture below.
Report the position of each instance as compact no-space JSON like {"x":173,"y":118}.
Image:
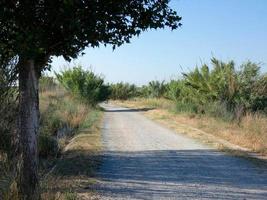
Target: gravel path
{"x":143,"y":160}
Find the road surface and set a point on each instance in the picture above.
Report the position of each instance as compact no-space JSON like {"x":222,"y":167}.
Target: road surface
{"x":143,"y":160}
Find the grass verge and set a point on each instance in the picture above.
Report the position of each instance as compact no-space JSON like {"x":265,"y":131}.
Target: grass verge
{"x":77,"y":129}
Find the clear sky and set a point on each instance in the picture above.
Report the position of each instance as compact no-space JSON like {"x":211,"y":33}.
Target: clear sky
{"x":226,"y":29}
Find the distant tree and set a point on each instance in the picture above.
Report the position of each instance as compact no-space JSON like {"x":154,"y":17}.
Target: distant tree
{"x":123,"y":91}
{"x":35,"y":30}
{"x":84,"y":84}
{"x":156,"y":89}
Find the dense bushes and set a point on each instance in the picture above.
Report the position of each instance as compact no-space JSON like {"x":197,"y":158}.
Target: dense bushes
{"x":154,"y":89}
{"x":84,"y":84}
{"x":8,"y":113}
{"x":123,"y":91}
{"x":8,"y":103}
{"x":222,"y":90}
{"x":48,"y":146}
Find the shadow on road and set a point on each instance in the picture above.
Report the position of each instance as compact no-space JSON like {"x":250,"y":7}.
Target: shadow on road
{"x":182,"y":174}
{"x":129,"y":110}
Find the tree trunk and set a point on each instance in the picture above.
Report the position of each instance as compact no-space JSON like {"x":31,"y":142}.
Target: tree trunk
{"x":28,"y":129}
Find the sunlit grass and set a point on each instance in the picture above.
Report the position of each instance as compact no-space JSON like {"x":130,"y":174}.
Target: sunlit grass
{"x":66,"y":176}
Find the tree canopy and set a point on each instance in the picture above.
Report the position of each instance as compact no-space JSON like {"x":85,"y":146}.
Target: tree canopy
{"x":38,"y":29}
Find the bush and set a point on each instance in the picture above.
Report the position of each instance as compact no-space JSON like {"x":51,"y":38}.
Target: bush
{"x":8,"y":102}
{"x":154,"y":89}
{"x":47,"y":146}
{"x":181,"y":107}
{"x":219,"y":110}
{"x":50,"y":123}
{"x":5,"y":142}
{"x":84,"y":84}
{"x":222,"y":91}
{"x":123,"y":91}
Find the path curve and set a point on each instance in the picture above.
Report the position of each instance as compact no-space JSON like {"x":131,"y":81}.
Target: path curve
{"x":143,"y":160}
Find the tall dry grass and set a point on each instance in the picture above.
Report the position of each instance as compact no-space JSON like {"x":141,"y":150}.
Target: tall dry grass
{"x":78,"y":160}
{"x":255,"y":129}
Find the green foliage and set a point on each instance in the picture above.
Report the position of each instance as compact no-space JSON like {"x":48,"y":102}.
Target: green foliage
{"x":67,"y":27}
{"x":8,"y":102}
{"x":47,"y":146}
{"x":123,"y":91}
{"x":51,"y":122}
{"x":70,"y":196}
{"x":222,"y":91}
{"x":5,"y":142}
{"x":156,"y":89}
{"x":84,"y":84}
{"x":8,"y":113}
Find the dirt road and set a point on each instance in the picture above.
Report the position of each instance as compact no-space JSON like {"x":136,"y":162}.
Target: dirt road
{"x":143,"y":160}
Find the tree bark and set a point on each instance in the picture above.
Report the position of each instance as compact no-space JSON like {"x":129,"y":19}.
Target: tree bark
{"x":28,"y":186}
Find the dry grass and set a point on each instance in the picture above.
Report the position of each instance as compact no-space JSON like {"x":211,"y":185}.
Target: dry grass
{"x":76,"y":116}
{"x":68,"y":109}
{"x":72,"y":173}
{"x":249,"y":135}
{"x":68,"y":176}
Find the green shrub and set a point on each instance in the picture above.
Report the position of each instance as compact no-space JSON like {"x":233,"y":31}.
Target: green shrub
{"x":47,"y":146}
{"x":174,"y":89}
{"x":155,"y":89}
{"x":5,"y":142}
{"x":123,"y":91}
{"x":219,"y":110}
{"x":51,"y":120}
{"x":84,"y":84}
{"x":8,"y":103}
{"x":222,"y":91}
{"x":182,"y":107}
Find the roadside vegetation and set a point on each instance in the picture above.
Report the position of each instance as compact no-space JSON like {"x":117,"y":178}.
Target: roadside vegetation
{"x":68,"y":140}
{"x":84,"y":85}
{"x":222,"y":99}
{"x":69,"y":144}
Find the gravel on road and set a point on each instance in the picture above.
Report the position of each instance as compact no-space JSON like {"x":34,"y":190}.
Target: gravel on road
{"x":143,"y":160}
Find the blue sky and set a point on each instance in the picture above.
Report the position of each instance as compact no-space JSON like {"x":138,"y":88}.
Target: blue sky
{"x":226,"y":29}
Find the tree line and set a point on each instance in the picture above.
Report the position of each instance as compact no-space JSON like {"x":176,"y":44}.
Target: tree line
{"x":222,"y":89}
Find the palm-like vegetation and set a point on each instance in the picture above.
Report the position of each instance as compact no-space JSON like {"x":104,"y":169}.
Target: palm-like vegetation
{"x":221,"y":90}
{"x":235,"y":90}
{"x":123,"y":91}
